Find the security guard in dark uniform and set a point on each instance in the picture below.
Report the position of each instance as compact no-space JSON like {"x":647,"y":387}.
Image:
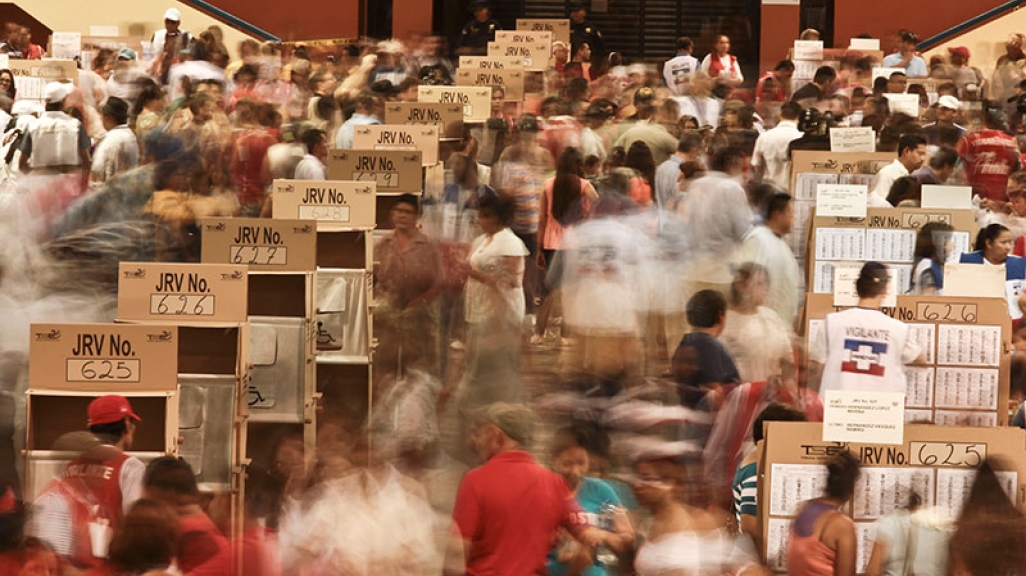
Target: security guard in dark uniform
{"x":478,"y":32}
{"x":583,"y":31}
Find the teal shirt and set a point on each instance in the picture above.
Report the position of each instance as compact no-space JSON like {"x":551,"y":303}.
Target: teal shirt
{"x":592,"y":496}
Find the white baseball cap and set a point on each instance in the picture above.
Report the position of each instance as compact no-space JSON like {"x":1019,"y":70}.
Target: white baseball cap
{"x":173,"y":14}
{"x":950,"y":102}
{"x":57,"y":91}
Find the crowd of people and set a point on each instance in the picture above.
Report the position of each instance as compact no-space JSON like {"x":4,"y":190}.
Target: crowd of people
{"x":625,"y":225}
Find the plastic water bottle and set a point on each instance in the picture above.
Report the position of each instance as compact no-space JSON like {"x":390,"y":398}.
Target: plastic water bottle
{"x":603,"y":555}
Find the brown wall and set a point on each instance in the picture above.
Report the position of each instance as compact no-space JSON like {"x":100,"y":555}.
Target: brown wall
{"x":779,"y":31}
{"x":309,"y":20}
{"x":883,"y":18}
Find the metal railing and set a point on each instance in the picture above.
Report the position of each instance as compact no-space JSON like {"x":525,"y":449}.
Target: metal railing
{"x":969,"y":24}
{"x":233,"y":20}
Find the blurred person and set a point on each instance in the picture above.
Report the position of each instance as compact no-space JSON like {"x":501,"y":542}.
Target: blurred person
{"x":769,"y":158}
{"x":683,"y":538}
{"x":408,"y":281}
{"x":962,"y":73}
{"x":584,"y":30}
{"x":559,"y":129}
{"x":677,"y":70}
{"x":906,"y":192}
{"x":721,"y":65}
{"x":911,"y":155}
{"x":939,"y":169}
{"x":989,"y":530}
{"x":368,"y":110}
{"x":948,"y":108}
{"x":745,"y":401}
{"x":598,"y":501}
{"x":592,"y":142}
{"x":13,"y":517}
{"x":567,"y":199}
{"x":476,"y":35}
{"x":148,"y":111}
{"x":823,"y":541}
{"x":775,"y":86}
{"x":430,"y":54}
{"x":667,"y":176}
{"x":819,"y":89}
{"x":911,"y":539}
{"x":1007,"y":74}
{"x":38,"y":558}
{"x":124,"y":81}
{"x":990,"y":155}
{"x":98,"y":487}
{"x":494,"y":309}
{"x":250,"y":143}
{"x":907,"y":57}
{"x":897,"y":83}
{"x":754,"y":335}
{"x":118,"y":151}
{"x":717,"y":218}
{"x":993,"y":247}
{"x":168,"y":43}
{"x":933,"y":246}
{"x":264,"y":505}
{"x":579,"y":65}
{"x":655,"y":136}
{"x":389,"y":65}
{"x":145,"y":543}
{"x":701,"y":103}
{"x":509,"y":508}
{"x":639,"y":159}
{"x":312,"y":166}
{"x":862,"y":348}
{"x":201,"y":549}
{"x":29,"y":51}
{"x":56,"y":143}
{"x":7,"y":87}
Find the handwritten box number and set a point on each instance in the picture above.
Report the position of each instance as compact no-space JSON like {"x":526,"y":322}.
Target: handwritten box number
{"x":266,"y":255}
{"x":99,"y":369}
{"x":182,"y":304}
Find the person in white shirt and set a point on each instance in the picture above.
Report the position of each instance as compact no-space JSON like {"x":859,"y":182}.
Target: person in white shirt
{"x":721,"y":65}
{"x":769,"y":158}
{"x":677,"y":70}
{"x":765,"y":245}
{"x":700,"y":104}
{"x":911,"y":155}
{"x":312,"y":167}
{"x":119,"y":150}
{"x":863,"y":349}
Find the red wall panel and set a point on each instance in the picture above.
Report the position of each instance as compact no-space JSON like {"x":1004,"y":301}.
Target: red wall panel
{"x":883,"y":18}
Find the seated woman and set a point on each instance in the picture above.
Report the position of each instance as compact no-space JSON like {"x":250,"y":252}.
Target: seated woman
{"x":994,"y":247}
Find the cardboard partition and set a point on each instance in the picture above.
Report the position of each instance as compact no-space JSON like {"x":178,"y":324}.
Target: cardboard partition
{"x":281,"y":295}
{"x":282,"y":354}
{"x":491,"y":62}
{"x":341,"y":202}
{"x":115,"y":43}
{"x":213,"y":350}
{"x":394,"y":171}
{"x":448,"y":115}
{"x":476,"y":101}
{"x":207,"y":427}
{"x":938,"y":464}
{"x":536,"y":56}
{"x":967,"y":343}
{"x":261,"y":244}
{"x":524,"y":37}
{"x":103,"y":358}
{"x":401,"y":137}
{"x":510,"y":83}
{"x":52,"y":414}
{"x":32,"y":76}
{"x":560,"y":27}
{"x":344,"y":249}
{"x":166,"y":292}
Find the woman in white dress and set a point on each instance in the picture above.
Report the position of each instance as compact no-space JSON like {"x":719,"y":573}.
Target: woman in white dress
{"x":494,"y":309}
{"x":754,"y":334}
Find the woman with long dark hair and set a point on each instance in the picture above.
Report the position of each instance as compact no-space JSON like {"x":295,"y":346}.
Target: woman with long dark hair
{"x":567,"y":198}
{"x":639,"y":157}
{"x":933,"y":244}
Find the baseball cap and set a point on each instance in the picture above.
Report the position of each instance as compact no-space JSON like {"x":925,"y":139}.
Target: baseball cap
{"x":482,"y":5}
{"x":960,"y":50}
{"x":173,"y":14}
{"x":110,"y":408}
{"x":127,"y":54}
{"x":515,"y":420}
{"x":57,"y":91}
{"x":949,"y":101}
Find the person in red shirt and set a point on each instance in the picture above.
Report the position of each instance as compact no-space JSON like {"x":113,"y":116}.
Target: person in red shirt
{"x":990,"y":155}
{"x":509,"y":509}
{"x":29,"y":51}
{"x":202,"y":548}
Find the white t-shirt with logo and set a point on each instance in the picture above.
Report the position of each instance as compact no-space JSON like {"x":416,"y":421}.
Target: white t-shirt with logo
{"x":864,"y":349}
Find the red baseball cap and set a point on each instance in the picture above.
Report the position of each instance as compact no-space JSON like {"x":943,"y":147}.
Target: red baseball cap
{"x":110,"y":408}
{"x":960,"y":50}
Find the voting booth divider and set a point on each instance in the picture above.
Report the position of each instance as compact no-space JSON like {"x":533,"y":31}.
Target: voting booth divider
{"x":967,"y":345}
{"x":937,"y":463}
{"x":281,"y":256}
{"x":812,"y":167}
{"x":343,"y":287}
{"x":208,"y":304}
{"x":70,"y":365}
{"x":886,"y":235}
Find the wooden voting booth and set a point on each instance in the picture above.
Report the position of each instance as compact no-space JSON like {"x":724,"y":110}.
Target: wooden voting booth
{"x":70,"y":365}
{"x":812,"y":167}
{"x":282,"y":390}
{"x":886,"y":235}
{"x":938,"y":463}
{"x":968,"y":348}
{"x":208,"y":303}
{"x":344,"y":281}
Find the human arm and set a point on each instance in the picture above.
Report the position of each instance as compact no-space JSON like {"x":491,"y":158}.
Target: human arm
{"x":840,"y":535}
{"x":877,"y":558}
